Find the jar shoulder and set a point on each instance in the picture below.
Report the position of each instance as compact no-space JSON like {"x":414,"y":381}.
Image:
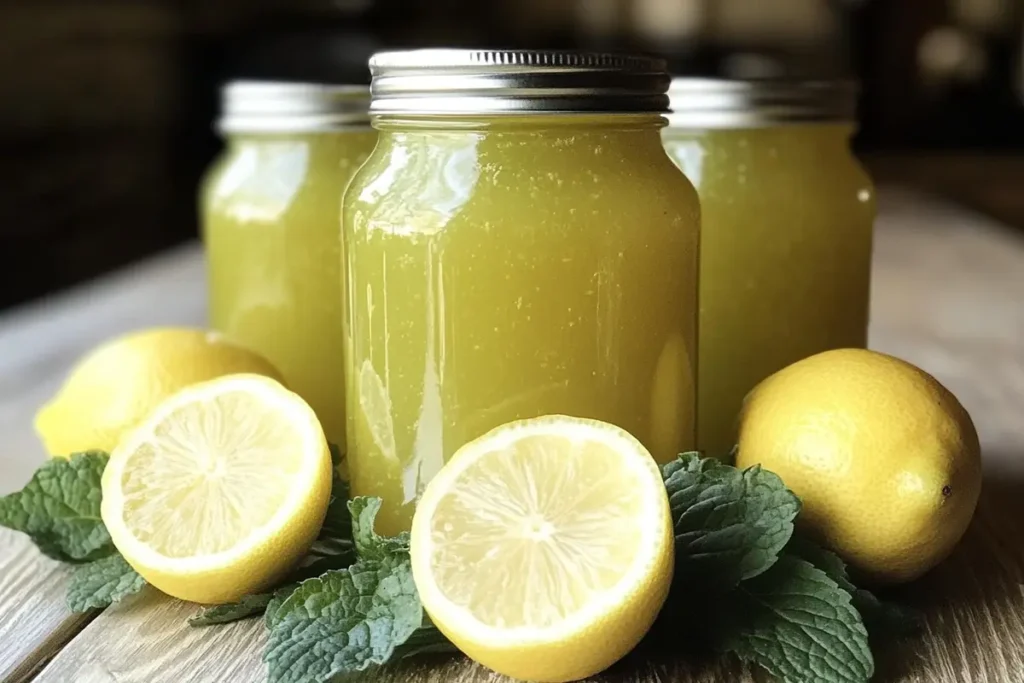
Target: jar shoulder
{"x":395,"y":184}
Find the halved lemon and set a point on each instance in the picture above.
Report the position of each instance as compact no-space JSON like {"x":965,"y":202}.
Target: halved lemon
{"x":221,"y":490}
{"x":544,"y":549}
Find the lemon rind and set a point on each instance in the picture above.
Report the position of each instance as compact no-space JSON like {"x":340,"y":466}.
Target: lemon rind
{"x":313,"y":447}
{"x":460,"y":619}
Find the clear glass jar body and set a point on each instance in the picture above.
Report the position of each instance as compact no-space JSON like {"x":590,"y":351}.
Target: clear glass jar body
{"x":787,"y":216}
{"x":510,"y":268}
{"x":270,"y":211}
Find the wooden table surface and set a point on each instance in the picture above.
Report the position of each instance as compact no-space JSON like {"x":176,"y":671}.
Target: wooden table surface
{"x":948,"y":296}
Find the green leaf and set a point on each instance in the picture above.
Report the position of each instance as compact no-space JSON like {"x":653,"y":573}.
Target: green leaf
{"x":369,"y":545}
{"x":249,"y":606}
{"x":343,"y":622}
{"x":825,"y":560}
{"x":798,"y":624}
{"x":256,"y":604}
{"x":59,"y":509}
{"x":102,"y":582}
{"x":730,"y":525}
{"x":884,"y":620}
{"x":273,"y":611}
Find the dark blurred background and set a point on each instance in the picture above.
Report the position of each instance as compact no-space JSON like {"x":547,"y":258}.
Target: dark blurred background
{"x":106,"y":106}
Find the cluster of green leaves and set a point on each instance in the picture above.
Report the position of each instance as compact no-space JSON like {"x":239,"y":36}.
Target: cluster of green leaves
{"x":775,"y":600}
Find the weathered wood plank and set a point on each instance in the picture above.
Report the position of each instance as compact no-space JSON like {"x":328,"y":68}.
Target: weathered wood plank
{"x":948,"y":287}
{"x":37,"y":346}
{"x":151,"y":642}
{"x":34,"y":623}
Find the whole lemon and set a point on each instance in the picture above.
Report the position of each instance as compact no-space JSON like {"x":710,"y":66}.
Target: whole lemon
{"x":884,"y":458}
{"x":115,"y":386}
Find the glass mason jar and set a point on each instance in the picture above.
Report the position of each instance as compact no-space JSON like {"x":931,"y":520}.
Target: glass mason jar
{"x":787,"y":216}
{"x":270,"y":208}
{"x":518,"y":244}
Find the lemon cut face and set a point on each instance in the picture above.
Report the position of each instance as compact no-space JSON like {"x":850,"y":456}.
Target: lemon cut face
{"x":544,"y":548}
{"x":221,"y":490}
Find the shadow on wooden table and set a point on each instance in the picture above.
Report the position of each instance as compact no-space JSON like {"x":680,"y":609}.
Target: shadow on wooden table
{"x":973,"y":603}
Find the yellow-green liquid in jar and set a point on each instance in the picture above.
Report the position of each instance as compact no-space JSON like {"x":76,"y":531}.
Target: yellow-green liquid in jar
{"x":786,"y":238}
{"x":271,"y":210}
{"x":511,"y":268}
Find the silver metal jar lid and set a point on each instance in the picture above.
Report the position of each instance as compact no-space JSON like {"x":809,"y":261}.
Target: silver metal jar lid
{"x":710,"y":103}
{"x":468,"y":82}
{"x":281,"y":107}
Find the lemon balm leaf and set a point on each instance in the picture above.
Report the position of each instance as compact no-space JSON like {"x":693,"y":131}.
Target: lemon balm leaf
{"x":59,"y":509}
{"x":369,"y":544}
{"x":798,"y":624}
{"x":729,"y":524}
{"x":342,"y":622}
{"x":101,"y":583}
{"x":884,"y":620}
{"x":249,"y":606}
{"x":825,"y":560}
{"x":259,"y":603}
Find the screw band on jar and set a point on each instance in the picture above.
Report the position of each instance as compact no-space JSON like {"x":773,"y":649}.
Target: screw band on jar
{"x":504,"y":82}
{"x":711,"y":103}
{"x":281,"y":107}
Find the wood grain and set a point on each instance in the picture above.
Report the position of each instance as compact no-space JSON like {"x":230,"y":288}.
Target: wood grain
{"x":948,"y":291}
{"x":145,"y":639}
{"x":34,"y":622}
{"x":38,"y":344}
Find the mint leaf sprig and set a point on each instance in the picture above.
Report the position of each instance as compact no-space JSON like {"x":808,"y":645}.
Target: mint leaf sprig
{"x":798,"y":624}
{"x":730,"y":525}
{"x":350,"y":619}
{"x":780,"y":602}
{"x":59,"y":509}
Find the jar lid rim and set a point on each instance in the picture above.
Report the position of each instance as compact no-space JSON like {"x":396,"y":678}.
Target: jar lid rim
{"x":254,"y":106}
{"x":495,"y":82}
{"x":723,"y":103}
